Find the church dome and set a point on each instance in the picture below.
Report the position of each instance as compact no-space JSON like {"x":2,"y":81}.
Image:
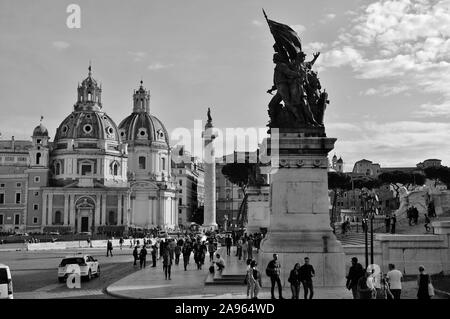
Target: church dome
{"x":40,"y":130}
{"x":89,"y":125}
{"x":141,"y":127}
{"x":88,"y":121}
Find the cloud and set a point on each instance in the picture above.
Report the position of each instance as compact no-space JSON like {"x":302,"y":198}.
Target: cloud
{"x":383,"y":142}
{"x":159,"y":66}
{"x":328,"y":17}
{"x":137,"y":56}
{"x":60,"y":45}
{"x":314,"y":46}
{"x":257,"y":23}
{"x":429,"y":110}
{"x":298,"y":28}
{"x":403,"y":42}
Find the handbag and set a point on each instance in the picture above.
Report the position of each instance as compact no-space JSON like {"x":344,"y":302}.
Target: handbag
{"x":430,"y":289}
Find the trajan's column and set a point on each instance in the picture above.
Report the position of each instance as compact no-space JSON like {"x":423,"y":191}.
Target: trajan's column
{"x":208,"y":136}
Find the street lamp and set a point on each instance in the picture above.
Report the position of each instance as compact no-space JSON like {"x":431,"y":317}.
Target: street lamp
{"x":370,"y":200}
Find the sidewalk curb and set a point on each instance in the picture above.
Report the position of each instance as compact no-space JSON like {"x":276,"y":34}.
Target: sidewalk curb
{"x":442,"y":293}
{"x":115,"y":294}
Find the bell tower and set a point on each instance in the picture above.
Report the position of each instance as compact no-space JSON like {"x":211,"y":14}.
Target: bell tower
{"x":89,"y":94}
{"x":141,"y":100}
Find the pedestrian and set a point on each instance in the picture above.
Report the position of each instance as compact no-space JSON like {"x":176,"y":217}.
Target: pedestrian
{"x":228,"y":243}
{"x":364,"y":291}
{"x":154,"y":255}
{"x":387,"y":223}
{"x":427,"y":223}
{"x":394,"y":279}
{"x":211,"y":250}
{"x":356,"y":271}
{"x":294,"y":280}
{"x":177,"y":254}
{"x":306,"y":274}
{"x":248,"y":279}
{"x":109,"y":248}
{"x":143,"y":256}
{"x":135,"y":255}
{"x":393,"y":222}
{"x":203,"y":250}
{"x":250,"y":246}
{"x":186,"y":251}
{"x":167,"y":264}
{"x":423,"y":283}
{"x":256,"y":279}
{"x":121,"y":242}
{"x":245,"y":249}
{"x":131,"y":243}
{"x":239,"y":248}
{"x":273,"y":270}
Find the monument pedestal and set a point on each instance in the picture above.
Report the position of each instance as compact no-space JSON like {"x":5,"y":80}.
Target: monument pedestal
{"x":299,"y":212}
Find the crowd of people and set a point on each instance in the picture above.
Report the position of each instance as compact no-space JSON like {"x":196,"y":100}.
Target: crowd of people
{"x":372,"y":283}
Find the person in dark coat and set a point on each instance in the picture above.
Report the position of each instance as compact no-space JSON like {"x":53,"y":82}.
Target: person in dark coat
{"x":294,"y":280}
{"x":273,"y":270}
{"x":154,"y":255}
{"x":423,"y":281}
{"x":143,"y":256}
{"x":186,"y":251}
{"x":167,"y":264}
{"x":393,"y":222}
{"x":228,"y":243}
{"x":135,"y":255}
{"x":364,"y":290}
{"x":109,"y":248}
{"x":177,"y":254}
{"x":306,"y":274}
{"x":355,"y":272}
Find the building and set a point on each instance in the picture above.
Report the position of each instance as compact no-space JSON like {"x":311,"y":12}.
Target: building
{"x":86,"y":180}
{"x":337,"y":165}
{"x":189,"y":174}
{"x":367,"y":168}
{"x":432,"y":162}
{"x":153,"y":194}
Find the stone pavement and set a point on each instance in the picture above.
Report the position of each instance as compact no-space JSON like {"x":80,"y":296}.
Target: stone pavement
{"x":149,"y":283}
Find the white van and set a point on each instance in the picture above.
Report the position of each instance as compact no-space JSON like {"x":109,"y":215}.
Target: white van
{"x":6,"y":288}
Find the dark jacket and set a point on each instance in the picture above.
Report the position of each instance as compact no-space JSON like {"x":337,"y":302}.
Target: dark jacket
{"x":143,"y":253}
{"x":354,"y":274}
{"x":228,"y":241}
{"x":294,"y":277}
{"x":306,"y":273}
{"x":273,"y":268}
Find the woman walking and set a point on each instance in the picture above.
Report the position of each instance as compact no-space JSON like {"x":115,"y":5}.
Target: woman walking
{"x":423,"y":281}
{"x":256,"y":279}
{"x":294,"y":280}
{"x":248,"y":279}
{"x":167,"y":264}
{"x":244,"y":248}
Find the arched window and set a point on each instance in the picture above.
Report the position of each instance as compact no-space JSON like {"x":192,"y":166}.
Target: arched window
{"x":141,"y":162}
{"x":57,"y":168}
{"x":58,"y":220}
{"x":163,"y":160}
{"x":115,"y":168}
{"x":38,"y":158}
{"x":112,"y":218}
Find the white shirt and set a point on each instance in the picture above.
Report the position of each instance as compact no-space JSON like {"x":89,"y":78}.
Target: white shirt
{"x":395,"y":279}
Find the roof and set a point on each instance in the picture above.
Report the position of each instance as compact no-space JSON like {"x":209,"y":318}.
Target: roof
{"x":145,"y":127}
{"x":40,"y":130}
{"x":363,"y":160}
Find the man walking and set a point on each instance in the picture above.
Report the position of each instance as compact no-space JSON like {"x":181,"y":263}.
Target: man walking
{"x":121,"y":242}
{"x":250,"y":247}
{"x":143,"y":256}
{"x":394,"y":278}
{"x":355,"y":272}
{"x":109,"y":248}
{"x":273,"y":270}
{"x":186,"y":254}
{"x":177,"y":254}
{"x":154,"y":255}
{"x":306,"y":274}
{"x":135,"y":255}
{"x":228,"y":243}
{"x":239,"y":248}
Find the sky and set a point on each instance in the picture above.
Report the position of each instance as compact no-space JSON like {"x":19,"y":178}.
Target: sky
{"x":384,"y":64}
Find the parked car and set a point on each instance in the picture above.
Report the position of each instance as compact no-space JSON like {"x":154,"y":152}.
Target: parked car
{"x":6,"y":287}
{"x":89,"y":267}
{"x":86,"y":233}
{"x":54,"y":233}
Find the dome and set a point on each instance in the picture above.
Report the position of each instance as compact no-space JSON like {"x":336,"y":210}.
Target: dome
{"x":143,"y":127}
{"x":88,"y":125}
{"x":40,"y":130}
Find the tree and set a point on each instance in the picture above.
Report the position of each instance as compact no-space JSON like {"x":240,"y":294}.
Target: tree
{"x":441,"y":173}
{"x":406,"y":179}
{"x":338,"y":183}
{"x":242,"y":175}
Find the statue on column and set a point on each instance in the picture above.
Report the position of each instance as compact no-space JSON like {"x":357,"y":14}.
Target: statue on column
{"x":295,"y":83}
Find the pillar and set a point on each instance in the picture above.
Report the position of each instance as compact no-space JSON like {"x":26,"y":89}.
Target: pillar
{"x":103,"y":209}
{"x":209,"y":135}
{"x":66,"y":209}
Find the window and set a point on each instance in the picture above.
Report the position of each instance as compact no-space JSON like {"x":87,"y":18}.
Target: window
{"x":141,"y":162}
{"x":38,"y":158}
{"x":112,"y":218}
{"x":36,"y":193}
{"x":38,"y":141}
{"x":18,"y":185}
{"x":35,"y":220}
{"x":180,"y":211}
{"x":57,"y":168}
{"x":1,"y":219}
{"x":58,"y":220}
{"x":36,"y":207}
{"x":2,"y":185}
{"x":181,"y":182}
{"x":17,"y":219}
{"x":180,"y":202}
{"x":2,"y":198}
{"x":115,"y":168}
{"x":163,"y":161}
{"x":37,"y":179}
{"x":18,"y":195}
{"x":181,"y":172}
{"x":86,"y":169}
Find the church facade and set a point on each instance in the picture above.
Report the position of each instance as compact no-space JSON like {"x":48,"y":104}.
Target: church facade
{"x":94,"y":176}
